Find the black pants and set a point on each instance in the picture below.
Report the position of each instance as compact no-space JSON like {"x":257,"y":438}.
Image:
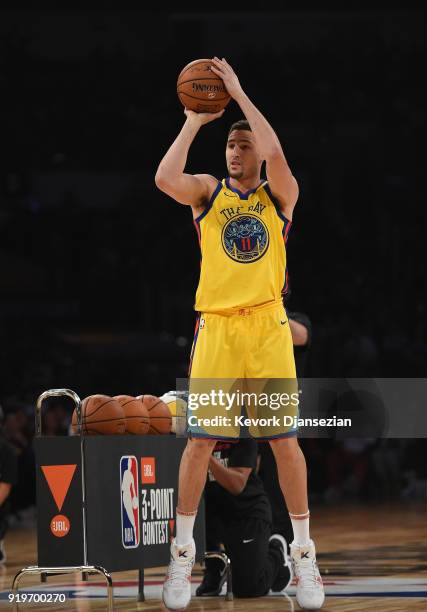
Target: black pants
{"x":254,"y":564}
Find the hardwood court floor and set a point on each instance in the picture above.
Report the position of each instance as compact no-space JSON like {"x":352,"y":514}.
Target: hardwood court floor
{"x":371,"y":558}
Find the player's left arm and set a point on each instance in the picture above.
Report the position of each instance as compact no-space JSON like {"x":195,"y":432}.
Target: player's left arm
{"x":282,"y":183}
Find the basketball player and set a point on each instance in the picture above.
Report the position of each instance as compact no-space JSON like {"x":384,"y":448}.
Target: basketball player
{"x":243,"y":332}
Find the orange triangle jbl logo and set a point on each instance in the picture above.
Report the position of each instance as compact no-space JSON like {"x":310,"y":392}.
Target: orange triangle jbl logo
{"x":59,"y":478}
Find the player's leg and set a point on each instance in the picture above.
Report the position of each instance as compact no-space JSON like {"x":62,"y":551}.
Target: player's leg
{"x":210,"y":360}
{"x":216,"y":371}
{"x":292,"y":471}
{"x":270,"y":479}
{"x":273,"y":358}
{"x":192,"y":478}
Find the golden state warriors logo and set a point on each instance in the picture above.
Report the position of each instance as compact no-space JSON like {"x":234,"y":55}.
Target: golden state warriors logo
{"x":245,"y":238}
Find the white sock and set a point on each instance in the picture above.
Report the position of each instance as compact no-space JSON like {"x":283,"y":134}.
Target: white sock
{"x":184,"y":527}
{"x":301,"y":527}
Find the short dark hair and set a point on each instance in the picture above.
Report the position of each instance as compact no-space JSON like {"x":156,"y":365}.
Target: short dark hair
{"x":242,"y":124}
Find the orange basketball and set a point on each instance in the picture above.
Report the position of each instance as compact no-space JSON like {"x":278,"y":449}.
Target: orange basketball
{"x":137,"y":419}
{"x":101,"y":415}
{"x":200,"y":89}
{"x":160,"y":416}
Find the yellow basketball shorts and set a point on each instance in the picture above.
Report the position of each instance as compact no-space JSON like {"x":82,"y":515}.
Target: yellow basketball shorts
{"x":242,"y":375}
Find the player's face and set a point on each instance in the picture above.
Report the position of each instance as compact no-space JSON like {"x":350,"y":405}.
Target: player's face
{"x":243,"y":160}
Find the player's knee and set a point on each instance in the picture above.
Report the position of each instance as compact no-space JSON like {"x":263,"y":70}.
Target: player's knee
{"x":198,"y":448}
{"x":285,"y":447}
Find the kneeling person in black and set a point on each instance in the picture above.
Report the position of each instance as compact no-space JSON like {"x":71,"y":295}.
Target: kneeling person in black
{"x":238,"y":514}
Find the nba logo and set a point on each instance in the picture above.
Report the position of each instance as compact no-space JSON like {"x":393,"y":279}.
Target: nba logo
{"x":129,"y":495}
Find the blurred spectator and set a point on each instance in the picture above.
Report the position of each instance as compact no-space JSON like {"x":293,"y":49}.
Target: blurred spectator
{"x":387,"y":470}
{"x":414,"y":465}
{"x":23,"y":494}
{"x":348,"y":465}
{"x":8,"y":479}
{"x":55,"y":420}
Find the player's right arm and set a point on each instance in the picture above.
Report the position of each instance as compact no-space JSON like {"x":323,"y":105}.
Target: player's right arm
{"x":299,"y":333}
{"x":233,"y":479}
{"x":191,"y":189}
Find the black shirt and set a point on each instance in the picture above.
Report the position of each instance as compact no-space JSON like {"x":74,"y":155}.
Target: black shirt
{"x":252,"y":502}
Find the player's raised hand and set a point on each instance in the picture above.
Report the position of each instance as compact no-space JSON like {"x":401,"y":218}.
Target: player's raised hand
{"x":223,"y":69}
{"x":202,"y":118}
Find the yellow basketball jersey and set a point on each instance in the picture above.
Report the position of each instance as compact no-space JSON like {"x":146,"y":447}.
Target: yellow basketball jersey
{"x":242,"y":240}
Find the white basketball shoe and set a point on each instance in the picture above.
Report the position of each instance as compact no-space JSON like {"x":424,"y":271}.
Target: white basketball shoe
{"x":310,"y":591}
{"x":177,"y":585}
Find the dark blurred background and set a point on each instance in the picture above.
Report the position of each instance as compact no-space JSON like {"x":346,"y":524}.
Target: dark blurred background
{"x":99,"y":269}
